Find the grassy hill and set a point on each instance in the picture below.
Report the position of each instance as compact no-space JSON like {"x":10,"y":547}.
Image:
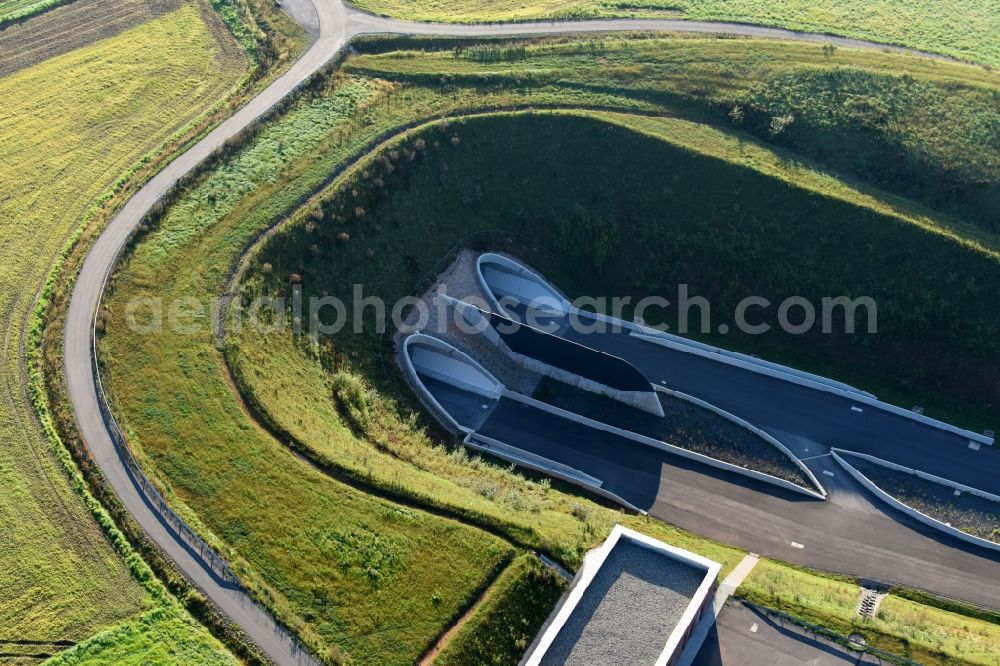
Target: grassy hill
{"x":70,"y":127}
{"x":915,"y":127}
{"x":664,"y":145}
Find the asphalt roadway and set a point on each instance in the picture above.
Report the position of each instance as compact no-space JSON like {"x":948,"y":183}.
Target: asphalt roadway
{"x":851,"y":532}
{"x":807,"y":420}
{"x":334,"y":24}
{"x":743,"y":636}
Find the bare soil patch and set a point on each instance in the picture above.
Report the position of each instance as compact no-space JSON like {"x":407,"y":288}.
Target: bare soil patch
{"x":72,"y":26}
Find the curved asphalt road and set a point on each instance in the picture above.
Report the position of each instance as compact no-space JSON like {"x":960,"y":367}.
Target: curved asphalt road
{"x":336,"y":24}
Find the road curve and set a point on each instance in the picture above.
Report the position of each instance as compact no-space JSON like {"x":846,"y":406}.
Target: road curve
{"x":336,"y":26}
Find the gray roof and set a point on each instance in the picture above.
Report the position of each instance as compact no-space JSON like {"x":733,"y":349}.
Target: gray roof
{"x":628,"y":612}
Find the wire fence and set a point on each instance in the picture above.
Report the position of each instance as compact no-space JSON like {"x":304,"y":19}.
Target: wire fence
{"x":219,"y":567}
{"x":153,"y":496}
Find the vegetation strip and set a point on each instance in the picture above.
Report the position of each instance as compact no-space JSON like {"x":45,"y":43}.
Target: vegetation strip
{"x":921,"y":632}
{"x":963,"y":29}
{"x":963,"y":511}
{"x":512,"y":611}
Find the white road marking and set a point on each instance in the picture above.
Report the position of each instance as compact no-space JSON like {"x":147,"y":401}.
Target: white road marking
{"x":823,"y":455}
{"x":828,"y":472}
{"x":753,"y":628}
{"x":958,"y":493}
{"x":975,"y":446}
{"x":796,"y":544}
{"x":855,"y":408}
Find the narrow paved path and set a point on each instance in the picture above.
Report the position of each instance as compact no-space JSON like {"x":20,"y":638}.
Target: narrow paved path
{"x":337,"y":24}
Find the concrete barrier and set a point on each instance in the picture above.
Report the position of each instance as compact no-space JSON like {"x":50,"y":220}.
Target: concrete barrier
{"x":923,"y":475}
{"x":437,"y":408}
{"x":905,"y":508}
{"x":742,"y":361}
{"x":645,"y":400}
{"x":863,"y":398}
{"x":537,"y":463}
{"x":749,"y":426}
{"x":664,"y":446}
{"x":426,"y":397}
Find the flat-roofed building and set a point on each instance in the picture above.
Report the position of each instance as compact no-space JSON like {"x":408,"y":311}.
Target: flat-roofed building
{"x":635,"y":601}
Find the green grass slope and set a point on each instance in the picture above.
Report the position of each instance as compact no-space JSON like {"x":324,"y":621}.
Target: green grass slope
{"x":347,"y":570}
{"x":922,"y":633}
{"x":162,"y":636}
{"x":504,"y":625}
{"x":964,"y":29}
{"x":918,"y":128}
{"x":68,"y":129}
{"x":643,"y":213}
{"x":301,"y":539}
{"x":210,"y":456}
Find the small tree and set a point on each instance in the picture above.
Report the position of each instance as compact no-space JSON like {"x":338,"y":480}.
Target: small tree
{"x":780,"y":123}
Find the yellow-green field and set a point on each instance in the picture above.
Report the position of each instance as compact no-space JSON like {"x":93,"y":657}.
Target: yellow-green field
{"x":70,"y":127}
{"x":965,"y":29}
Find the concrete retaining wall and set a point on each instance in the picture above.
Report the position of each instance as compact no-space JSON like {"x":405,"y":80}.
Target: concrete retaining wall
{"x":524,"y":284}
{"x":749,"y":426}
{"x":908,"y":510}
{"x":863,"y":398}
{"x":663,"y":446}
{"x":923,"y":475}
{"x":537,"y":463}
{"x":425,"y":396}
{"x":644,"y":400}
{"x":743,"y":361}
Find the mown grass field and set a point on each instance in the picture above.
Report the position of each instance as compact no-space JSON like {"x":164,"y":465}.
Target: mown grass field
{"x":923,"y":633}
{"x":76,"y":25}
{"x":183,"y":416}
{"x":69,"y":128}
{"x":965,"y":29}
